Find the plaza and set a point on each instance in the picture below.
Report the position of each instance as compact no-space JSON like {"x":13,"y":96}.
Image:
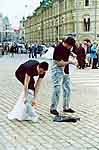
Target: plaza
{"x":46,"y":134}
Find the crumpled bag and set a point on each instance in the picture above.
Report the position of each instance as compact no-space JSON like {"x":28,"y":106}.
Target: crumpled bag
{"x":23,"y":109}
{"x":72,"y":69}
{"x":18,"y":112}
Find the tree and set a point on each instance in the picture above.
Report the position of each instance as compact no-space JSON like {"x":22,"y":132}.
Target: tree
{"x":46,"y":3}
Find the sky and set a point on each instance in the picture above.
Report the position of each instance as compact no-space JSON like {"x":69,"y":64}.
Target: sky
{"x":16,"y":9}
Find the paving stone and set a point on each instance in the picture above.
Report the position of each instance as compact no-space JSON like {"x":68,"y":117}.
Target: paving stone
{"x":47,"y":135}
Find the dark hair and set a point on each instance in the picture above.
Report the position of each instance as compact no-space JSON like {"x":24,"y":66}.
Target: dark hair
{"x":70,"y":41}
{"x":44,"y":65}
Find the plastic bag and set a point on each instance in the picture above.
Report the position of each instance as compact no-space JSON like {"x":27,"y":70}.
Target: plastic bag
{"x":23,"y":109}
{"x":18,"y":112}
{"x":72,"y":69}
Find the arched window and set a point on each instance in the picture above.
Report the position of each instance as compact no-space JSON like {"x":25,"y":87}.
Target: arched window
{"x":86,"y":3}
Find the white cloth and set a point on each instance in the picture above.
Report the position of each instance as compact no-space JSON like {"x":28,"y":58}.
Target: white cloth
{"x":23,"y":109}
{"x":49,"y":53}
{"x":72,"y":69}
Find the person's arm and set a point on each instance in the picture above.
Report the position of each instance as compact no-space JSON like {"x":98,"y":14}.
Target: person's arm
{"x":26,"y":83}
{"x":61,"y":63}
{"x":37,"y":86}
{"x":64,"y":63}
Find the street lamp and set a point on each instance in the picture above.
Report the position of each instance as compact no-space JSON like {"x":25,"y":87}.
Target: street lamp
{"x":23,"y":28}
{"x":6,"y":34}
{"x":77,"y":19}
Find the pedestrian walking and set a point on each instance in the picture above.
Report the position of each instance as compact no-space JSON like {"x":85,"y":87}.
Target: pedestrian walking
{"x":81,"y":57}
{"x":60,"y":71}
{"x":94,"y":55}
{"x":85,"y":46}
{"x":12,"y":50}
{"x":88,"y":54}
{"x":30,"y":51}
{"x":98,"y":55}
{"x":25,"y":74}
{"x":35,"y":50}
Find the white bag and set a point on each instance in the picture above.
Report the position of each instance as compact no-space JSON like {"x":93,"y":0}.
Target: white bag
{"x":23,"y":111}
{"x":18,"y":112}
{"x":72,"y":69}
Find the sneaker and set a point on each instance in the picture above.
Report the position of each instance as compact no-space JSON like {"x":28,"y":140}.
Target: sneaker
{"x":69,"y":110}
{"x":54,"y":112}
{"x":94,"y":67}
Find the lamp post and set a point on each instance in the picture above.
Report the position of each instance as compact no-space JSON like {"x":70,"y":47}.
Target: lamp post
{"x":23,"y":28}
{"x":77,"y":19}
{"x":6,"y":34}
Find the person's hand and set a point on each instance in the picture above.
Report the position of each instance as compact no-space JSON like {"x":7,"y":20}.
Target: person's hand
{"x":76,"y":63}
{"x":34,"y":103}
{"x":73,"y":61}
{"x":62,"y":63}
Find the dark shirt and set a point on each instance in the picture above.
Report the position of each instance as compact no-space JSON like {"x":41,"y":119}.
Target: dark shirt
{"x":30,"y":67}
{"x":89,"y":50}
{"x":62,"y":53}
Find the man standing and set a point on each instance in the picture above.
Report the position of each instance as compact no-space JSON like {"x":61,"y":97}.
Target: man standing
{"x":60,"y":70}
{"x":30,"y":51}
{"x":35,"y":50}
{"x":12,"y":49}
{"x":81,"y":57}
{"x":94,"y":55}
{"x":25,"y":74}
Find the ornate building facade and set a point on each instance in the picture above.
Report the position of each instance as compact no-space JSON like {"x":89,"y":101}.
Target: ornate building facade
{"x":51,"y":22}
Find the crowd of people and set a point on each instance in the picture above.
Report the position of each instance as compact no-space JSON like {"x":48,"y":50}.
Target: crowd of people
{"x":88,"y":54}
{"x":6,"y":49}
{"x":33,"y":51}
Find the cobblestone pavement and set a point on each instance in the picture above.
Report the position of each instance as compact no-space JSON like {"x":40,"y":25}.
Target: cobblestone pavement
{"x":47,"y":135}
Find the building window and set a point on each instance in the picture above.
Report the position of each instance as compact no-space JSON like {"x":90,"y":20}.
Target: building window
{"x":87,"y":23}
{"x":86,"y":3}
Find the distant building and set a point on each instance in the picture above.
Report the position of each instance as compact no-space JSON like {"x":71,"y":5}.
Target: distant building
{"x":55,"y":19}
{"x":6,"y":31}
{"x":22,"y":30}
{"x":1,"y":27}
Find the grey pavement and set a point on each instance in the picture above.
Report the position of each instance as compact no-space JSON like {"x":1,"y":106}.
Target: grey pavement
{"x":47,"y":135}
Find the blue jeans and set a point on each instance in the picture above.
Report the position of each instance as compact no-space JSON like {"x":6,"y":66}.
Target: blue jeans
{"x":58,"y":75}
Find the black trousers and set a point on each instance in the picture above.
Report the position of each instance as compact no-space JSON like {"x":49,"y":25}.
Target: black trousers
{"x":21,"y":77}
{"x":94,"y":65}
{"x":31,"y":54}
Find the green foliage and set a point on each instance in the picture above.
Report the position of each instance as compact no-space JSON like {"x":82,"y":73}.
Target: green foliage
{"x":46,"y":3}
